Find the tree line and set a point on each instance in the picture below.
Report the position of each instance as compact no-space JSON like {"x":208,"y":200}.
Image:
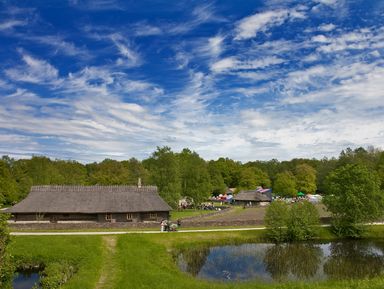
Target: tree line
{"x":184,"y":174}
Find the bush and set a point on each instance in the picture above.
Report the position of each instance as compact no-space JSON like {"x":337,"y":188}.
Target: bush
{"x":6,"y":266}
{"x":56,"y":274}
{"x":276,"y":221}
{"x":296,"y":223}
{"x":302,"y":222}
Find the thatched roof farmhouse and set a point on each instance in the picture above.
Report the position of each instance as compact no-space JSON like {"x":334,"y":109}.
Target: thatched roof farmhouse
{"x":92,"y":203}
{"x":253,"y":197}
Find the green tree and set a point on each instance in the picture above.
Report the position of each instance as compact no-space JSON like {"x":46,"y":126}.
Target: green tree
{"x":305,"y":178}
{"x":164,"y":171}
{"x":136,"y":171}
{"x":20,"y":172}
{"x":285,"y":184}
{"x":108,"y":172}
{"x":353,"y":198}
{"x":217,"y":180}
{"x":6,"y":267}
{"x":291,"y":223}
{"x":230,"y":171}
{"x":276,"y":219}
{"x":8,"y":186}
{"x":247,"y":179}
{"x":303,"y":221}
{"x":195,"y":179}
{"x":380,"y":169}
{"x":43,"y":172}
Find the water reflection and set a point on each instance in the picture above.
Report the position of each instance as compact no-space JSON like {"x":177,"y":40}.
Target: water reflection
{"x":26,"y":280}
{"x":357,"y":260}
{"x":278,"y":263}
{"x":300,"y":261}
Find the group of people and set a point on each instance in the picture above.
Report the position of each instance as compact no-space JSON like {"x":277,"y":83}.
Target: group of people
{"x":168,"y":226}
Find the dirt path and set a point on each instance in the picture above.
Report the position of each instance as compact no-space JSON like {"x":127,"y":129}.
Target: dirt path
{"x":107,"y":270}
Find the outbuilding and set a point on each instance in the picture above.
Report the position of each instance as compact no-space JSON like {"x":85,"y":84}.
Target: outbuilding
{"x":91,"y":203}
{"x":252,"y":197}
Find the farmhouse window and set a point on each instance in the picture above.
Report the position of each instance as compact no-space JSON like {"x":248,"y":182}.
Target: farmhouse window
{"x":129,"y":216}
{"x":108,"y":216}
{"x":153,"y":216}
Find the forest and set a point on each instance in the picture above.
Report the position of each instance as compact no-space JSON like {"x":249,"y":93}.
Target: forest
{"x":184,"y":174}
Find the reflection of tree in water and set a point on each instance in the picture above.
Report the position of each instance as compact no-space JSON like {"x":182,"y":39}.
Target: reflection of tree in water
{"x":195,"y":259}
{"x":301,"y":260}
{"x":353,"y":260}
{"x":276,"y":262}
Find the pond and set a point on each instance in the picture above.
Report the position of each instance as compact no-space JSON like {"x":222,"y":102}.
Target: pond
{"x":26,"y":279}
{"x":285,"y":262}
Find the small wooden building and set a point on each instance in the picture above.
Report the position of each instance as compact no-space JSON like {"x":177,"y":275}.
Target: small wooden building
{"x":253,"y":197}
{"x":91,"y":203}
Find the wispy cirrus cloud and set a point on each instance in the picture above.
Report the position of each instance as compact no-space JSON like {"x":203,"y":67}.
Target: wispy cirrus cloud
{"x":250,"y":26}
{"x":232,"y":63}
{"x":129,"y":56}
{"x":96,"y":5}
{"x":11,"y":23}
{"x":61,"y":45}
{"x":33,"y":70}
{"x":205,"y":13}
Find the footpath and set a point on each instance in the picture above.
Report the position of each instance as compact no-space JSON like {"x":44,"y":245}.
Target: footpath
{"x":84,"y":233}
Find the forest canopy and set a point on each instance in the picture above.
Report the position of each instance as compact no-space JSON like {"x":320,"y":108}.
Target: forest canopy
{"x":183,"y":174}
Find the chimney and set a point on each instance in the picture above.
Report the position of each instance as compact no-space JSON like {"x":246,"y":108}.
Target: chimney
{"x":139,"y":183}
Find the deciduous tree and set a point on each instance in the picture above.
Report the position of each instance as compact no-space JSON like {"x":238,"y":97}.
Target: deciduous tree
{"x":285,"y":184}
{"x":353,"y":198}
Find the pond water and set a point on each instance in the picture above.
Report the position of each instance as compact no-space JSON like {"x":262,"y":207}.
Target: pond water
{"x":285,"y":262}
{"x":26,"y":279}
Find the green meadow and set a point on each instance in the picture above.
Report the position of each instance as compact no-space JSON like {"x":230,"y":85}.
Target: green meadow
{"x":146,"y":260}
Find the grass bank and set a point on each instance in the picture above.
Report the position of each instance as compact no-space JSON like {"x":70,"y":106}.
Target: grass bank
{"x":157,"y":269}
{"x":84,"y":253}
{"x":146,"y":261}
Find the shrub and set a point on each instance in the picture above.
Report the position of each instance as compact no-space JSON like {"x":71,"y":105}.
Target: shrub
{"x":56,"y":274}
{"x":295,"y":223}
{"x":276,"y":221}
{"x":302,"y":222}
{"x":6,"y":266}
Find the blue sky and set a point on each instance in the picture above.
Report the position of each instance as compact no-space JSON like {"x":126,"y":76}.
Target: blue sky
{"x":249,"y":80}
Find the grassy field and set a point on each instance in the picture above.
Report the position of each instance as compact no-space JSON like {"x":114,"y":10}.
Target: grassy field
{"x":145,"y":261}
{"x":187,"y":213}
{"x":84,"y":253}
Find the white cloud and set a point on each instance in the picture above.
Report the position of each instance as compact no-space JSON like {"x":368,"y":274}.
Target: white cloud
{"x":9,"y":24}
{"x":144,"y":29}
{"x":260,"y":22}
{"x":224,"y":64}
{"x":250,"y":26}
{"x":356,"y":40}
{"x":199,"y":15}
{"x":96,"y":5}
{"x":215,"y":45}
{"x":327,"y":27}
{"x":328,"y":2}
{"x":130,"y":57}
{"x":231,"y":63}
{"x":320,"y":38}
{"x":61,"y":45}
{"x":34,"y":71}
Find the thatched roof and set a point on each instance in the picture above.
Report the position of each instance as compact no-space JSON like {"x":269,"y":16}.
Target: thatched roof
{"x":253,"y":196}
{"x":91,"y":199}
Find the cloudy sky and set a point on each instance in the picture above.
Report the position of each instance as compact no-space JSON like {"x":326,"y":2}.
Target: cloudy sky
{"x":94,"y":79}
